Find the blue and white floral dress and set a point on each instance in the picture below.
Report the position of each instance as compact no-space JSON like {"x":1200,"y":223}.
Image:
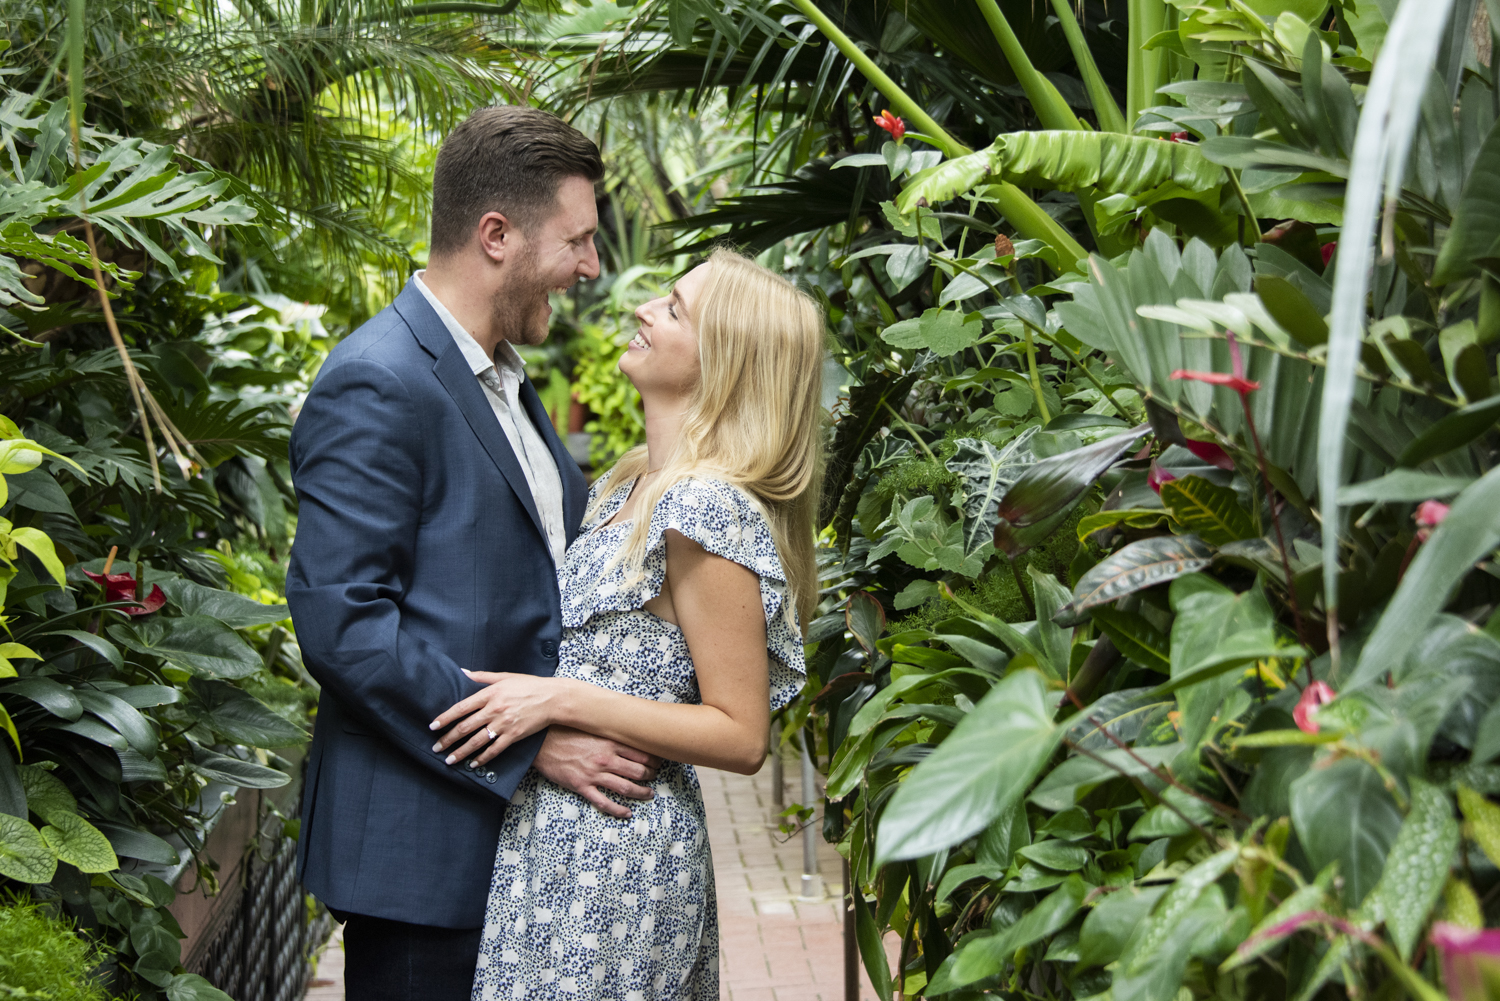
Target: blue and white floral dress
{"x":583,"y":905}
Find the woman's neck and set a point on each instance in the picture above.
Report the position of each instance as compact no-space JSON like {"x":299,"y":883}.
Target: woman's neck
{"x":663,"y":419}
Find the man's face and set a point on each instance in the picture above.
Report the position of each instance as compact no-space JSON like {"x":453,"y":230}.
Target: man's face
{"x":557,"y":252}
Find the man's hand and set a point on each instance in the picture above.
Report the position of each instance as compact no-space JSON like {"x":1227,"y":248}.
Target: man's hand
{"x":588,"y":765}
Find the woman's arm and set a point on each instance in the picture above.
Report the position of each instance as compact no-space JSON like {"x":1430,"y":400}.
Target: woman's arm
{"x":718,"y":607}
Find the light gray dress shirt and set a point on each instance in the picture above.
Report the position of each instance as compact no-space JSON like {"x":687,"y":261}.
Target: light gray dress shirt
{"x":501,"y":378}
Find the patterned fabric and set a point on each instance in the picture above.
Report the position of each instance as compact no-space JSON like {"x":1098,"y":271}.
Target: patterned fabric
{"x":588,"y":906}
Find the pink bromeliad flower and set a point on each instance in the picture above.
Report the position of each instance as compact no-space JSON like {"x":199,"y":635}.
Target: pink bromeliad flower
{"x":1236,"y":382}
{"x":1314,"y":696}
{"x":1471,"y":961}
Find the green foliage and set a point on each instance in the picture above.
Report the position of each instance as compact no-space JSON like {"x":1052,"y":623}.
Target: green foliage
{"x":43,"y":957}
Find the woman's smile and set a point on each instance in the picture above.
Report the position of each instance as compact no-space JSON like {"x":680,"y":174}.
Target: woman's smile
{"x":639,"y":341}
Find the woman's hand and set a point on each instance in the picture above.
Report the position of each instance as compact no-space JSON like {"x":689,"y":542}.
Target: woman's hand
{"x":511,"y":708}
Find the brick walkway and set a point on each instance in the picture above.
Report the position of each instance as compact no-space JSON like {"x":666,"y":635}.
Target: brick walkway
{"x":774,"y":946}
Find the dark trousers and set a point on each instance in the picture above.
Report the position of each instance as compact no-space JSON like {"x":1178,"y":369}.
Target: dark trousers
{"x":387,"y":960}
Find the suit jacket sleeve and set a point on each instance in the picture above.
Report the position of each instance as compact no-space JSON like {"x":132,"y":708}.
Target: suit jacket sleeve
{"x":357,"y":457}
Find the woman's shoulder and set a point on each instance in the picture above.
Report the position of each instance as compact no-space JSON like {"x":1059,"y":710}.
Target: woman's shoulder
{"x":721,"y":517}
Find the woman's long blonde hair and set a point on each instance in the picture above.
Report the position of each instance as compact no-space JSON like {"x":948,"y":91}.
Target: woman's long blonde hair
{"x":754,"y":418}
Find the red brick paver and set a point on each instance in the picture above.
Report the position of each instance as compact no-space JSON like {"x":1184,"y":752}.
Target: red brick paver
{"x":774,"y":947}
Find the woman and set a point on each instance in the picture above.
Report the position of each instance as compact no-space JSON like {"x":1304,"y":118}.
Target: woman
{"x":682,"y":598}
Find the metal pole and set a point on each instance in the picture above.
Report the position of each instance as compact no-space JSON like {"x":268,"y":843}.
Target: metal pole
{"x":851,"y":942}
{"x":812,"y":882}
{"x":778,"y":778}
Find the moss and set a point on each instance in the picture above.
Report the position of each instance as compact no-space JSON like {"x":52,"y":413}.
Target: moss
{"x":996,"y":591}
{"x":43,"y":957}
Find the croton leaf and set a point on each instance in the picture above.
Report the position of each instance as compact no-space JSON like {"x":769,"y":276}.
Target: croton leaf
{"x":1139,"y":565}
{"x":1207,"y":510}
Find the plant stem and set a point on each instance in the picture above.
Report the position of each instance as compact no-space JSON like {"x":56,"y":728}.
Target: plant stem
{"x":910,"y":430}
{"x":1021,"y":586}
{"x":1108,"y":112}
{"x":1051,"y":110}
{"x":1286,"y":562}
{"x":1036,"y":379}
{"x":1251,"y":225}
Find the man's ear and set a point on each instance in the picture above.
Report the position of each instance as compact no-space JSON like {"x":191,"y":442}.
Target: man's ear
{"x":497,"y":236}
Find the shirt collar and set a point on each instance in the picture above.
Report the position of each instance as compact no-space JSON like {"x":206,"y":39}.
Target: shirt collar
{"x":507,"y":360}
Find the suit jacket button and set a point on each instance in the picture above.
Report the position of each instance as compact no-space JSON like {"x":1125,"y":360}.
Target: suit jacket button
{"x":489,"y":777}
{"x":549,"y":649}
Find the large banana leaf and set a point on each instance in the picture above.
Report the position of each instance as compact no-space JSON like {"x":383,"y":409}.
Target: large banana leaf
{"x":1105,"y":163}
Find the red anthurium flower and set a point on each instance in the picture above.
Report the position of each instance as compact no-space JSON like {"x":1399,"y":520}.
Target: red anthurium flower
{"x":1178,"y":137}
{"x":892,"y":124}
{"x":121,"y":587}
{"x":1211,"y":453}
{"x":1156,"y":476}
{"x":1313,"y":696}
{"x":1471,"y":960}
{"x":1327,"y":250}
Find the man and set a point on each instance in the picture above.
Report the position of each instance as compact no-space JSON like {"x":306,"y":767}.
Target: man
{"x":436,"y":503}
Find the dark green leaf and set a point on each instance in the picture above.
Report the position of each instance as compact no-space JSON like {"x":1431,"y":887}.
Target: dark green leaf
{"x":1053,"y":485}
{"x":871,"y":948}
{"x":1066,"y":783}
{"x":1112,"y":921}
{"x":1475,"y":233}
{"x":51,"y":696}
{"x":98,"y":644}
{"x":1139,"y":565}
{"x":234,"y":610}
{"x":123,"y":717}
{"x":1453,"y":431}
{"x":1056,"y":855}
{"x":196,"y":643}
{"x":1342,"y":813}
{"x":1292,"y":310}
{"x":1402,"y":486}
{"x":240,"y":717}
{"x":1134,"y":637}
{"x":985,"y":957}
{"x":865,"y":618}
{"x":984,"y":766}
{"x":234,"y":771}
{"x":143,"y":845}
{"x":1211,"y":512}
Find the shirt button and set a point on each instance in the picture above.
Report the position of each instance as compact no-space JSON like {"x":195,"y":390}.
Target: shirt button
{"x":549,"y":649}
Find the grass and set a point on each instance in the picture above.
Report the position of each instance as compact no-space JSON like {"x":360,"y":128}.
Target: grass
{"x":43,"y":957}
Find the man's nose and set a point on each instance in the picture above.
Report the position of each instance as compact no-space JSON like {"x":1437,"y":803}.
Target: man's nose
{"x":589,"y":266}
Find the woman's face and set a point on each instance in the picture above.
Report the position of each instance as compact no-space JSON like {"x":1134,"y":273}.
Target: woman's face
{"x":662,"y":359}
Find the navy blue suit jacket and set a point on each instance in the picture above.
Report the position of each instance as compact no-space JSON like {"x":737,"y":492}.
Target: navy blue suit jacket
{"x":418,"y":552}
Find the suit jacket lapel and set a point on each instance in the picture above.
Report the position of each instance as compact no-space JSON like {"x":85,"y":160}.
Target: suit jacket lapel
{"x":452,"y":370}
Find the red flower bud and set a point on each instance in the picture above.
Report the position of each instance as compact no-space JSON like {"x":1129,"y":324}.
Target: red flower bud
{"x":892,"y":124}
{"x":1314,"y":696}
{"x":1156,"y":476}
{"x":1327,"y":251}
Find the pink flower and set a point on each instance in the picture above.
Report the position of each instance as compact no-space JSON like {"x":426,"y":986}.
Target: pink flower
{"x":1211,"y":453}
{"x":1327,"y":251}
{"x":1471,"y":960}
{"x":1156,"y":476}
{"x":1430,"y":515}
{"x":1238,"y":384}
{"x":1313,"y":696}
{"x":121,"y":587}
{"x":892,"y":124}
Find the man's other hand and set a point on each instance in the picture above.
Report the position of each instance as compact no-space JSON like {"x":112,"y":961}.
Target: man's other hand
{"x":588,"y":765}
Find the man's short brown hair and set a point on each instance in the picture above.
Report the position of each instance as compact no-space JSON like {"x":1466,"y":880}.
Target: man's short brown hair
{"x":508,"y":159}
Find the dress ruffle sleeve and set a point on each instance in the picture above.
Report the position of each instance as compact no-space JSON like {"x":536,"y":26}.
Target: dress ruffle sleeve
{"x":723,"y":520}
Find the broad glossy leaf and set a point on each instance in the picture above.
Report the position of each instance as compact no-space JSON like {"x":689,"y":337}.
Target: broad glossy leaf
{"x":1113,"y":920}
{"x":137,"y":844}
{"x":1049,"y":595}
{"x":80,"y":844}
{"x":1052,"y":486}
{"x":196,"y":643}
{"x":1342,"y":813}
{"x":1056,"y":855}
{"x":1134,"y":637}
{"x":1066,"y":783}
{"x":96,"y":643}
{"x":988,"y":472}
{"x":235,"y":772}
{"x":865,"y":618}
{"x":191,"y":987}
{"x":1156,"y":955}
{"x":1129,"y":517}
{"x":1136,"y":566}
{"x":1402,"y":486}
{"x":24,"y":857}
{"x":938,"y":184}
{"x":240,"y":717}
{"x":984,"y":766}
{"x":147,"y":696}
{"x":1209,"y":511}
{"x":1453,"y":431}
{"x":1417,"y":867}
{"x":984,"y":957}
{"x":234,"y":610}
{"x":123,"y":717}
{"x":871,"y":948}
{"x":46,"y":795}
{"x":1109,"y":163}
{"x":1469,"y":532}
{"x":906,"y":264}
{"x":51,"y":696}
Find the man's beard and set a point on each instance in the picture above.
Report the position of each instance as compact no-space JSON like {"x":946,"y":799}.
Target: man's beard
{"x":519,"y":306}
